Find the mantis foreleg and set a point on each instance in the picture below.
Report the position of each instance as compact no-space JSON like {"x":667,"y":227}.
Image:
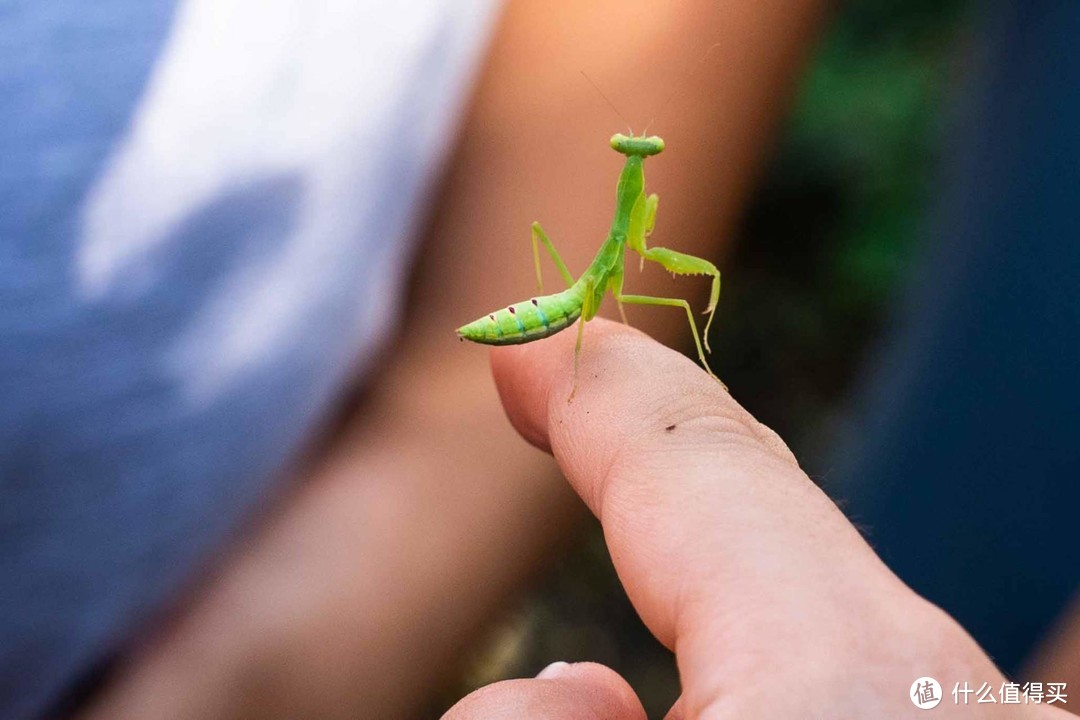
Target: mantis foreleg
{"x":539,"y":236}
{"x":642,"y":223}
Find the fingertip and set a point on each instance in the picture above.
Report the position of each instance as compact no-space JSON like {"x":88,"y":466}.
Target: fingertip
{"x":607,"y":688}
{"x":562,"y":691}
{"x":532,"y":376}
{"x":524,"y":387}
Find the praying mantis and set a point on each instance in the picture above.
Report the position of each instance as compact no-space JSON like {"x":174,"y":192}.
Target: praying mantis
{"x":635,"y":216}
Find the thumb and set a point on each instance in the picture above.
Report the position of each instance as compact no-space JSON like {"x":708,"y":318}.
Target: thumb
{"x":582,"y":691}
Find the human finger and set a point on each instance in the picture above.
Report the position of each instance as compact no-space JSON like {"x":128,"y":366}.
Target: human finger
{"x":562,"y":691}
{"x":730,"y":554}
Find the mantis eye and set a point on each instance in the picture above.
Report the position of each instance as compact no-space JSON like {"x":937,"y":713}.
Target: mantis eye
{"x":618,"y":142}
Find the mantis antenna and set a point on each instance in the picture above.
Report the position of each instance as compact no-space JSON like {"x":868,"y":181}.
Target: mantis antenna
{"x":675,"y":88}
{"x":608,"y":101}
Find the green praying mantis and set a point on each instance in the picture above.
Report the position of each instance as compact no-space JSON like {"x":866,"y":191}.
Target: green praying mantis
{"x":635,"y":216}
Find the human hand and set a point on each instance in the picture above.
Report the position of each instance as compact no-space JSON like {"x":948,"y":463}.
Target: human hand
{"x":773,"y":603}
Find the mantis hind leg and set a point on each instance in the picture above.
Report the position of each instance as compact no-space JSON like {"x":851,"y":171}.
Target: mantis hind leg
{"x":539,"y":236}
{"x":587,"y":312}
{"x":683,"y":264}
{"x":675,"y":302}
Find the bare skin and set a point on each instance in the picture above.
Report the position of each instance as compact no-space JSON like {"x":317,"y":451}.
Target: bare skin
{"x":772,"y":601}
{"x":335,"y":604}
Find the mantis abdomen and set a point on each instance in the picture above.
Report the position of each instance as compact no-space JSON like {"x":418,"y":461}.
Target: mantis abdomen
{"x":527,"y":320}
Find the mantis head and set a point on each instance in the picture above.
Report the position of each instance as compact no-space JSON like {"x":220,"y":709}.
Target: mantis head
{"x":640,"y":146}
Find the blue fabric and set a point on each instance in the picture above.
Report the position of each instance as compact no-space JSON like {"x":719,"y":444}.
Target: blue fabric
{"x":179,"y":305}
{"x":970,"y":477}
{"x":70,"y":75}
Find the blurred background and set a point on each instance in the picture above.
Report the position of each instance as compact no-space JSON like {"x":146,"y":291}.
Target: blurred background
{"x":821,"y":256}
{"x":239,"y":435}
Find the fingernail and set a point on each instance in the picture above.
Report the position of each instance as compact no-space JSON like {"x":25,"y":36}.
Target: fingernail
{"x":554,"y":670}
